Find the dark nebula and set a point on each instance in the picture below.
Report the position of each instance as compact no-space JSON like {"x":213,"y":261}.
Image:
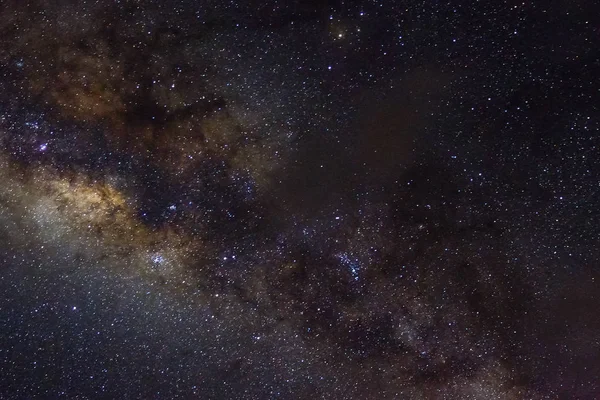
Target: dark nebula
{"x":299,"y":200}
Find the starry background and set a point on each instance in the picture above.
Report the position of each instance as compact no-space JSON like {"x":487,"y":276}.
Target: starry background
{"x":299,"y":199}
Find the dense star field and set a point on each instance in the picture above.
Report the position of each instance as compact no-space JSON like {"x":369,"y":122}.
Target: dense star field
{"x":299,"y":199}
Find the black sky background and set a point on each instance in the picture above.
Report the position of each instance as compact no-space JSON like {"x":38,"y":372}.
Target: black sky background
{"x":297,"y":200}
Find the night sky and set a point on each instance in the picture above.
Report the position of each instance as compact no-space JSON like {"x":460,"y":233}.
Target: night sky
{"x":208,"y":199}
